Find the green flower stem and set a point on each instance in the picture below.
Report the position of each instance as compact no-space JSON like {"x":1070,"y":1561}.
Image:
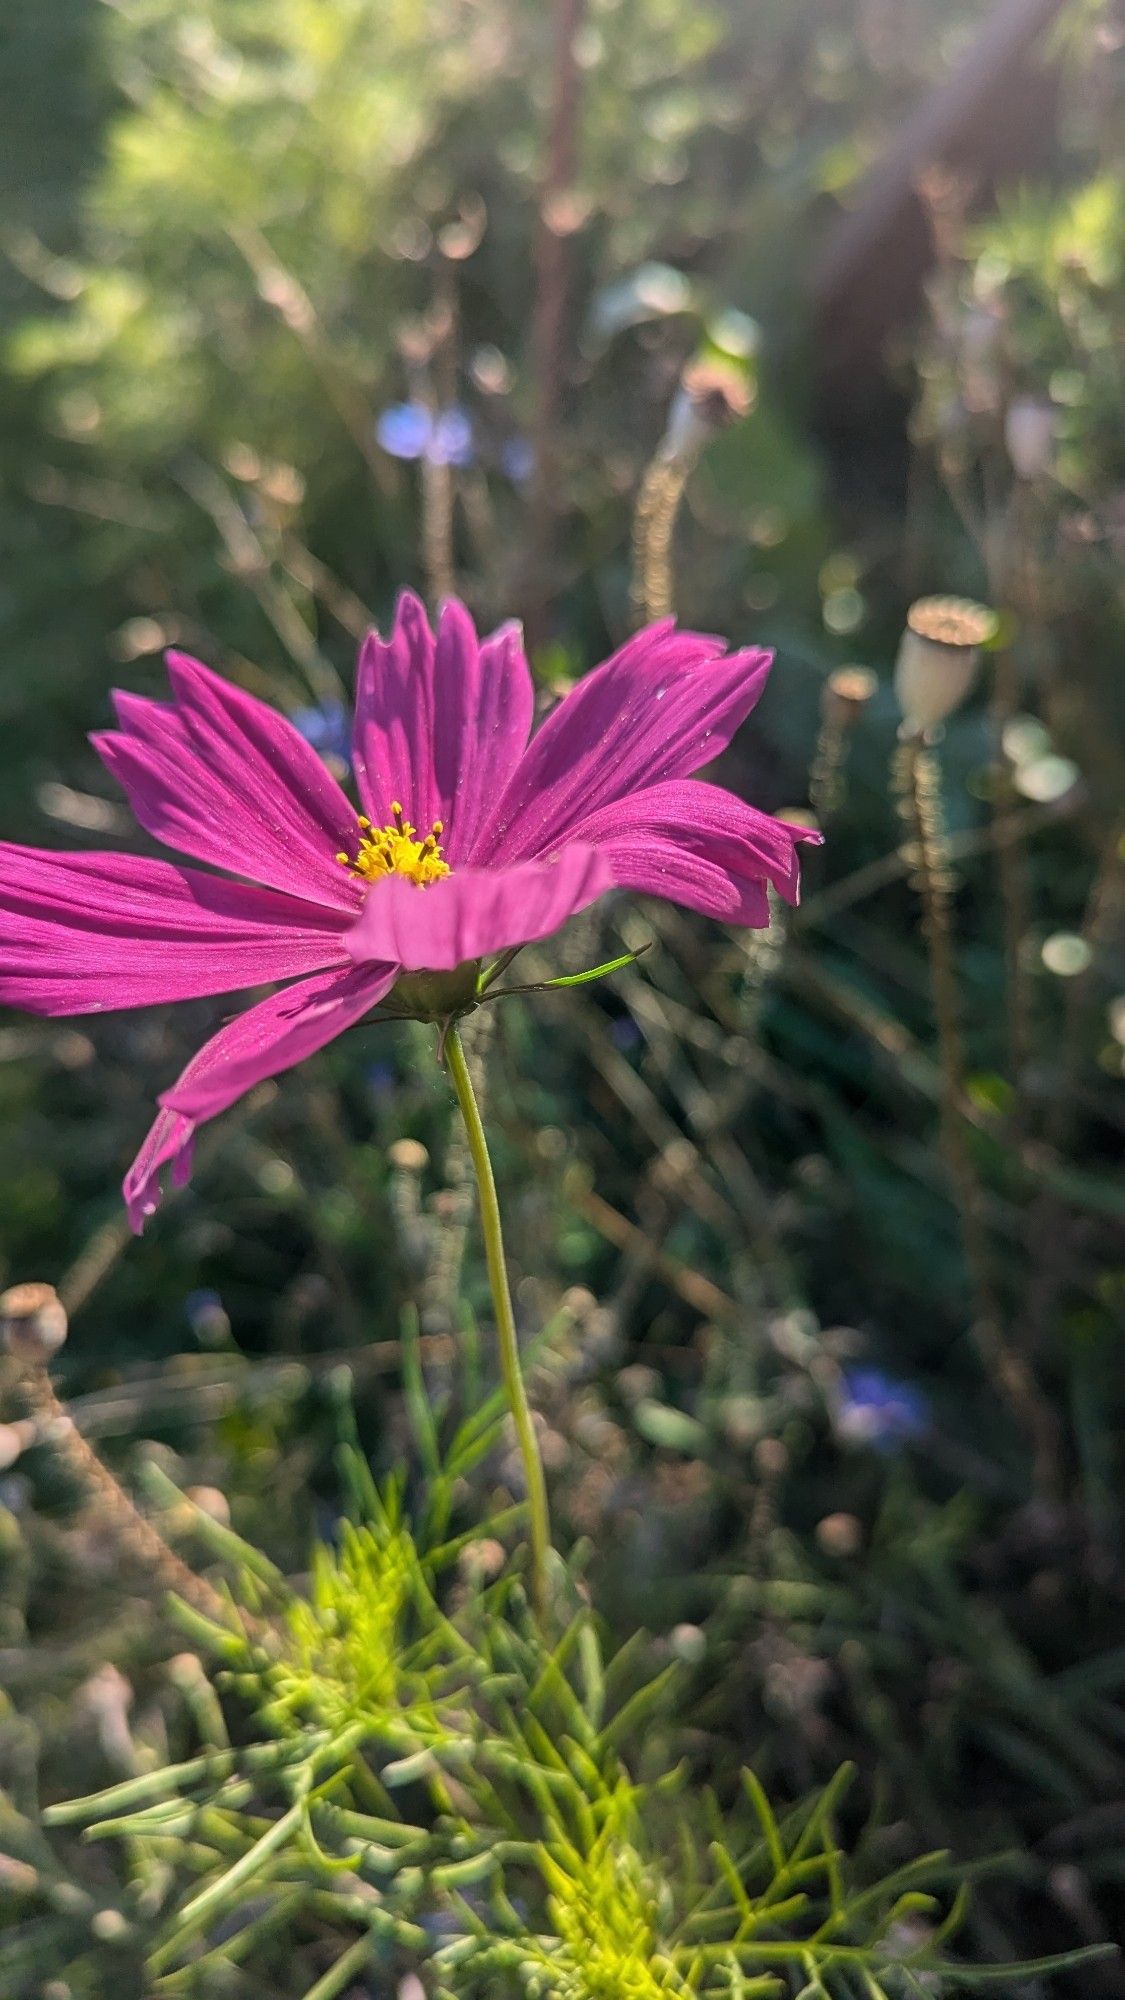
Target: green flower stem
{"x":505,"y":1318}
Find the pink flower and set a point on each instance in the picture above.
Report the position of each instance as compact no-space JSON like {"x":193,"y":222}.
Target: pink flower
{"x":513,"y":837}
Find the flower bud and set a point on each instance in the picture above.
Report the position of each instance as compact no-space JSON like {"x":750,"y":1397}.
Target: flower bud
{"x":712,"y":395}
{"x":839,"y":1534}
{"x":689,"y":1643}
{"x":435,"y":996}
{"x":846,"y":694}
{"x":938,"y":658}
{"x":1029,"y":434}
{"x":33,"y":1322}
{"x":14,"y":1440}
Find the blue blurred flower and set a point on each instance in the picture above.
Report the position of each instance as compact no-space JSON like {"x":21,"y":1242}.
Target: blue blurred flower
{"x":517,"y":460}
{"x":624,"y":1032}
{"x":404,"y":429}
{"x":877,"y":1409}
{"x":380,"y":1078}
{"x":410,"y":430}
{"x":207,"y":1317}
{"x":451,"y":442}
{"x":326,"y":728}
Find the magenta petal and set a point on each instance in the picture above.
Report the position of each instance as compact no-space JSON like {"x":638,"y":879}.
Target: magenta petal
{"x":392,"y":744}
{"x":170,"y":1142}
{"x":483,"y":702}
{"x":653,"y":866}
{"x":440,"y":723}
{"x":475,"y":911}
{"x":666,"y":704}
{"x":708,"y":821}
{"x":83,"y":933}
{"x":279,"y":1032}
{"x":223,"y":777}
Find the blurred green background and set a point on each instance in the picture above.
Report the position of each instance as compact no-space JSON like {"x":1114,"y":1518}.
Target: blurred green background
{"x":302,"y":303}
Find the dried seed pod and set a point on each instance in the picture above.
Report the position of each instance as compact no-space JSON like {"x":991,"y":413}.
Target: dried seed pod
{"x":33,"y":1322}
{"x":938,"y":658}
{"x":712,"y":395}
{"x":846,"y":694}
{"x":15,"y":1439}
{"x":839,"y":1534}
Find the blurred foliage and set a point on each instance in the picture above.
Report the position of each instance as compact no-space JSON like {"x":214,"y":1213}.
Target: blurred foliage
{"x":458,"y":1794}
{"x":234,"y":239}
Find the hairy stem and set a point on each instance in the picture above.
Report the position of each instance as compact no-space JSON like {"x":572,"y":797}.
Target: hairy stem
{"x":118,"y":1512}
{"x":918,"y":784}
{"x":654,"y":527}
{"x":505,"y":1317}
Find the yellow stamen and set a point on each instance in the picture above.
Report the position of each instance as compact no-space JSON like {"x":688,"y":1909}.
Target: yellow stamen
{"x":396,"y":850}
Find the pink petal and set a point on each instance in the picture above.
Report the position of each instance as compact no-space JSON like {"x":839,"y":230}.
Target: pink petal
{"x":392,"y":745}
{"x":82,"y":933}
{"x":653,"y":866}
{"x":440,"y":724}
{"x":170,"y":1141}
{"x":225,"y":778}
{"x":475,"y":911}
{"x":708,"y":821}
{"x":279,"y":1032}
{"x":660,"y":708}
{"x":483,"y":703}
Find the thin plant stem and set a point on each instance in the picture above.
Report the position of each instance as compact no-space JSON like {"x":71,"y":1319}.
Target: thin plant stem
{"x":1011,"y":868}
{"x":919,"y":786}
{"x":442,"y":1282}
{"x":551,"y":300}
{"x":654,"y":527}
{"x":1012,"y":579}
{"x":1048,"y":1233}
{"x":137,"y":1535}
{"x":505,"y":1318}
{"x":827,"y":769}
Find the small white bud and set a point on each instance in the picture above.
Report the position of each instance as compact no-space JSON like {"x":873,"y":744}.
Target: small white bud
{"x":1029,"y":434}
{"x":33,"y":1322}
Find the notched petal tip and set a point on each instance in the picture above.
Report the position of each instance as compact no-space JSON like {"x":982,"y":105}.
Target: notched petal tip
{"x":411,"y":615}
{"x":169,"y":1147}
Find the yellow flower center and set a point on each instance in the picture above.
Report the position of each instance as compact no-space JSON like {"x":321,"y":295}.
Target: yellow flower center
{"x":397,"y":850}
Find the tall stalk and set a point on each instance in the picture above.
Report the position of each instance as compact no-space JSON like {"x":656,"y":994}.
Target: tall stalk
{"x":918,"y":783}
{"x":138,"y":1537}
{"x":506,"y":1334}
{"x":550,"y":303}
{"x":654,"y":528}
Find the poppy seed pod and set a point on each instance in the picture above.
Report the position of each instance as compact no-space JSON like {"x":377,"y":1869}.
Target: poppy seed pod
{"x":712,"y":395}
{"x":938,"y":657}
{"x":846,"y":694}
{"x":33,"y":1322}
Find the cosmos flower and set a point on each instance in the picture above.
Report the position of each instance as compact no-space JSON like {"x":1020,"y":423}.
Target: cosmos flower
{"x":472,"y":837}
